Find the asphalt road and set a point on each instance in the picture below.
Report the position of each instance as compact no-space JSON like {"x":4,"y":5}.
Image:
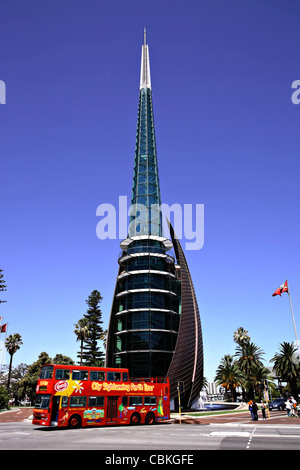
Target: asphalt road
{"x":186,"y":439}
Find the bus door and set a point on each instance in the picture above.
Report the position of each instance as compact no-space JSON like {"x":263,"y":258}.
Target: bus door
{"x":112,"y":410}
{"x":54,"y":412}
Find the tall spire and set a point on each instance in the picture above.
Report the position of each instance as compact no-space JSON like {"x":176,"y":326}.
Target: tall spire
{"x":145,"y":81}
{"x":145,"y":188}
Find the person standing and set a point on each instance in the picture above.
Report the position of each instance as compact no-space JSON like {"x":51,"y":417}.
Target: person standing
{"x":250,"y":409}
{"x":254,"y":410}
{"x":263,"y":410}
{"x":293,"y":407}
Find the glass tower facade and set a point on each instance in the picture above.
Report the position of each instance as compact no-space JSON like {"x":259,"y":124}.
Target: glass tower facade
{"x":147,"y":305}
{"x":145,"y":198}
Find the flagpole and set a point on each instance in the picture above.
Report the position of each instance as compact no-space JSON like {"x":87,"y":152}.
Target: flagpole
{"x":3,"y":350}
{"x":295,"y":330}
{"x":1,"y":363}
{"x":2,"y":357}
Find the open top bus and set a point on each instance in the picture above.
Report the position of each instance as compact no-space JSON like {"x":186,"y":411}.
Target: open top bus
{"x":75,"y":396}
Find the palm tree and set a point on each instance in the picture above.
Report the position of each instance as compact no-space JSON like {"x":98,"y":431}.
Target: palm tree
{"x":229,"y":375}
{"x":241,"y":336}
{"x":249,"y":356}
{"x":12,"y":344}
{"x":286,"y":367}
{"x":103,"y":338}
{"x":205,"y":383}
{"x":257,"y":377}
{"x":82,"y":332}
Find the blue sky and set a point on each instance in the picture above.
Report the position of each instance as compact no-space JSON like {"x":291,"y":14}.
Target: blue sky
{"x":227,"y":137}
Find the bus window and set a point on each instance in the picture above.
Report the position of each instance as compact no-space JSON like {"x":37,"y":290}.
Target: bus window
{"x":62,"y":374}
{"x":97,"y":375}
{"x":149,"y":400}
{"x":135,"y":401}
{"x":124,"y":401}
{"x":46,"y":372}
{"x":42,"y":401}
{"x":80,"y":375}
{"x":96,"y":401}
{"x":113,"y":376}
{"x":64,"y":401}
{"x":125,"y":377}
{"x":77,"y":401}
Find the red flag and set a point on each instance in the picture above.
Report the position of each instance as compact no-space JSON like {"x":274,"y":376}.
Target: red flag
{"x":281,"y":289}
{"x":3,"y":328}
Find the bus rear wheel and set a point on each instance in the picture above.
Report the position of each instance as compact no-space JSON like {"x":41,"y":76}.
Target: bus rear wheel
{"x":150,"y":418}
{"x":75,"y":421}
{"x":135,"y":419}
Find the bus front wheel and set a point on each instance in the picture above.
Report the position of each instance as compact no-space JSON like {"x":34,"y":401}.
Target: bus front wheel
{"x":150,"y":418}
{"x":75,"y":421}
{"x":135,"y":419}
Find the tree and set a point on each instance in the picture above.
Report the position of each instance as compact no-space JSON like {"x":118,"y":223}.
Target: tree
{"x":249,"y":356}
{"x":12,"y":344}
{"x":285,"y":366}
{"x":229,"y":375}
{"x":257,"y":378}
{"x":103,"y":338}
{"x":17,"y":374}
{"x":241,"y":336}
{"x":2,"y":285}
{"x":27,"y":385}
{"x":4,"y":398}
{"x":82,"y":332}
{"x":61,"y":359}
{"x":91,"y":354}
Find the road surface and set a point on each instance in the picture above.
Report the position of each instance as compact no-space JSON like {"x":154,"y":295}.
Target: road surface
{"x":234,"y":432}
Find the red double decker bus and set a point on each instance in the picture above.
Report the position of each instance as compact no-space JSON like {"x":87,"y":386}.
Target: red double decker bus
{"x":74,"y":396}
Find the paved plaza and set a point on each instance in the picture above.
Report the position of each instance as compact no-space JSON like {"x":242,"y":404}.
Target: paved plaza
{"x":276,"y":417}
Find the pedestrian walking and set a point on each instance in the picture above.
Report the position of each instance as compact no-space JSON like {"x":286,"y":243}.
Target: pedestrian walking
{"x":263,"y":410}
{"x":288,"y":406}
{"x":254,"y":410}
{"x":293,"y":407}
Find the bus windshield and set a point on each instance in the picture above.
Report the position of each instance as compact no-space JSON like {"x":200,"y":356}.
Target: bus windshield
{"x":46,"y":372}
{"x":42,"y":401}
